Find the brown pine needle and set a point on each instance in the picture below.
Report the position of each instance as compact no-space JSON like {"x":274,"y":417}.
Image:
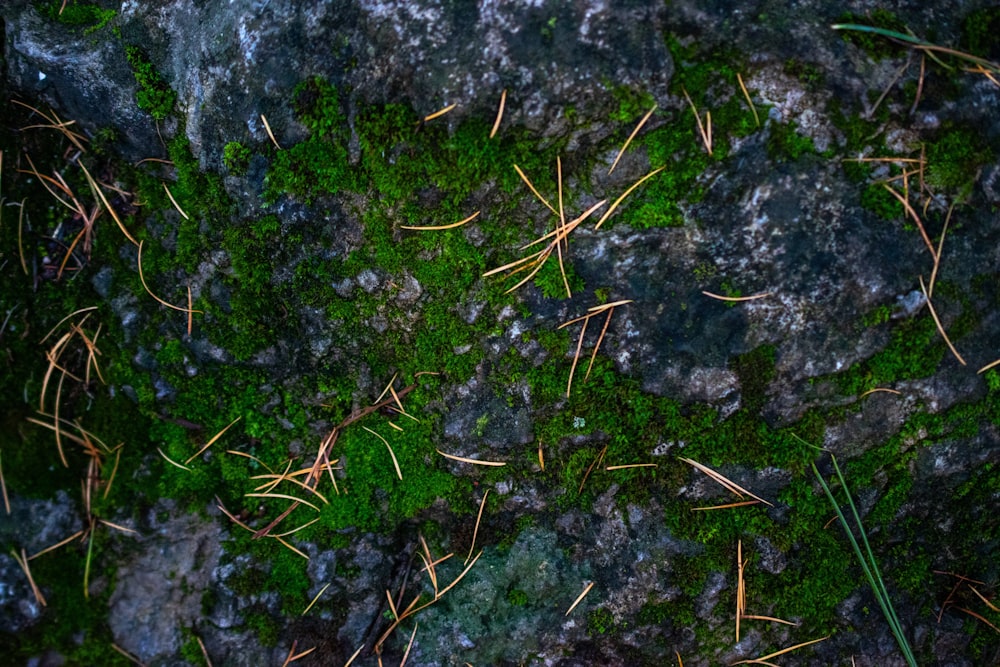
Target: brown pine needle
{"x":736,"y":489}
{"x":977,"y":616}
{"x":607,"y":214}
{"x":409,"y":645}
{"x":596,"y":462}
{"x":600,"y":339}
{"x":746,"y":94}
{"x":475,"y":531}
{"x":937,"y":322}
{"x":104,"y":200}
{"x":541,"y":455}
{"x":22,"y":560}
{"x":232,"y":518}
{"x":310,"y":606}
{"x":267,"y":128}
{"x":763,"y":659}
{"x":437,"y":228}
{"x":289,"y":546}
{"x":737,"y":299}
{"x":438,"y":114}
{"x":190,"y":323}
{"x":742,"y":503}
{"x":3,"y":486}
{"x":631,"y":137}
{"x":579,"y":599}
{"x":212,"y":441}
{"x":158,"y":299}
{"x":988,"y":366}
{"x":395,"y":463}
{"x":292,"y":656}
{"x":881,"y":389}
{"x":295,"y":530}
{"x":171,"y":461}
{"x":20,"y":233}
{"x":174,"y":202}
{"x":496,"y":123}
{"x":533,"y":190}
{"x":632,"y":465}
{"x":283,"y":496}
{"x":680,"y":663}
{"x":109,"y":524}
{"x":940,"y":249}
{"x":204,"y":651}
{"x":772,"y":619}
{"x":916,"y":218}
{"x":57,"y":545}
{"x":989,"y":604}
{"x":119,"y":649}
{"x":478,"y":462}
{"x":251,"y":457}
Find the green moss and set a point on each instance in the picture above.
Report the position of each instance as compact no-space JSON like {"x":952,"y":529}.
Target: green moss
{"x":85,"y":15}
{"x":154,"y":96}
{"x":981,"y":33}
{"x":600,"y":622}
{"x":236,"y":158}
{"x":785,"y":144}
{"x":955,"y":159}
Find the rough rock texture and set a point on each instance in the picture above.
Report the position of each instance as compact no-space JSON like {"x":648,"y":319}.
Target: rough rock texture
{"x":824,"y":356}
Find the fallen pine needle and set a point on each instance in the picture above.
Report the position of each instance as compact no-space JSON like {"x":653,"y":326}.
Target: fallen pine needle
{"x":940,"y":328}
{"x":881,"y":389}
{"x":475,"y":531}
{"x":267,"y":128}
{"x":292,"y":658}
{"x":409,"y":645}
{"x":977,"y":616}
{"x":211,"y":442}
{"x":632,"y":465}
{"x":104,"y":200}
{"x":746,"y":94}
{"x":541,"y":455}
{"x":742,"y":503}
{"x":204,"y":652}
{"x":395,"y":463}
{"x":631,"y":137}
{"x":190,"y":323}
{"x":22,"y":560}
{"x":171,"y":461}
{"x":174,"y":202}
{"x":3,"y":486}
{"x":20,"y":228}
{"x":57,"y":545}
{"x":704,"y":128}
{"x":754,"y":617}
{"x":735,"y":299}
{"x":282,"y":496}
{"x":763,"y":659}
{"x":290,"y":547}
{"x":579,"y":599}
{"x":310,"y":606}
{"x":438,"y":114}
{"x":988,"y":366}
{"x":736,"y":489}
{"x":437,"y":228}
{"x":533,"y":190}
{"x":607,"y":214}
{"x":158,"y":299}
{"x":477,"y":462}
{"x":129,"y":656}
{"x":354,"y":655}
{"x":496,"y":123}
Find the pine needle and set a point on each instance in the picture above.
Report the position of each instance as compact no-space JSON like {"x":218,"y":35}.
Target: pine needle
{"x":310,"y":606}
{"x":704,"y":128}
{"x":158,"y":299}
{"x":632,"y":465}
{"x":478,"y":462}
{"x":607,"y":214}
{"x":881,"y":389}
{"x":172,"y":462}
{"x":533,"y":190}
{"x":763,"y":659}
{"x":631,"y":137}
{"x":212,"y":441}
{"x":579,"y":599}
{"x":267,"y":128}
{"x":937,"y":322}
{"x":395,"y":463}
{"x":737,"y":299}
{"x":438,"y":114}
{"x":409,"y":645}
{"x":746,"y":94}
{"x":22,"y":560}
{"x":496,"y":123}
{"x":733,"y":487}
{"x":475,"y":531}
{"x":174,"y":202}
{"x":283,"y":496}
{"x":437,"y":228}
{"x":3,"y":486}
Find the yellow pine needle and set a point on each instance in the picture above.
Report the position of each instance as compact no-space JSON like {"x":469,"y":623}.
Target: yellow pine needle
{"x":772,"y":619}
{"x":283,"y":496}
{"x":387,"y":387}
{"x":438,"y":114}
{"x":940,"y":249}
{"x":680,"y":663}
{"x":251,"y":457}
{"x":736,"y":489}
{"x":631,"y":137}
{"x":880,"y":389}
{"x":158,"y":299}
{"x":763,"y":659}
{"x":109,"y":524}
{"x":704,"y":129}
{"x":128,"y":656}
{"x":22,"y":560}
{"x":533,"y":190}
{"x":541,"y":455}
{"x":190,"y":322}
{"x":614,"y":206}
{"x":576,"y":357}
{"x":285,"y":478}
{"x":937,"y":322}
{"x":100,"y":194}
{"x":65,"y":319}
{"x":496,"y":123}
{"x":475,"y":531}
{"x":989,"y":604}
{"x":746,"y":94}
{"x":560,"y":224}
{"x":632,"y":465}
{"x":913,"y":214}
{"x":737,"y":299}
{"x":174,"y":202}
{"x":437,"y":228}
{"x":204,"y":652}
{"x":354,"y":655}
{"x":289,"y":546}
{"x":478,"y":462}
{"x":579,"y":598}
{"x":741,"y":601}
{"x":395,"y":463}
{"x":267,"y":128}
{"x":310,"y":605}
{"x":600,"y":339}
{"x":295,"y":530}
{"x":171,"y":461}
{"x":212,"y":441}
{"x":988,"y":366}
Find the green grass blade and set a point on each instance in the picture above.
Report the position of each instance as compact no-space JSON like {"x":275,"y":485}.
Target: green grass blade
{"x":891,"y":34}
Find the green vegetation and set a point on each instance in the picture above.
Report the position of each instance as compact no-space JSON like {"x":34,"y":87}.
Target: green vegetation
{"x":85,"y":15}
{"x":236,"y":158}
{"x":154,"y":95}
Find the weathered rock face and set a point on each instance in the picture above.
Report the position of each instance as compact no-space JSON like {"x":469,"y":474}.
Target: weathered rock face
{"x":315,"y":297}
{"x":231,"y":62}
